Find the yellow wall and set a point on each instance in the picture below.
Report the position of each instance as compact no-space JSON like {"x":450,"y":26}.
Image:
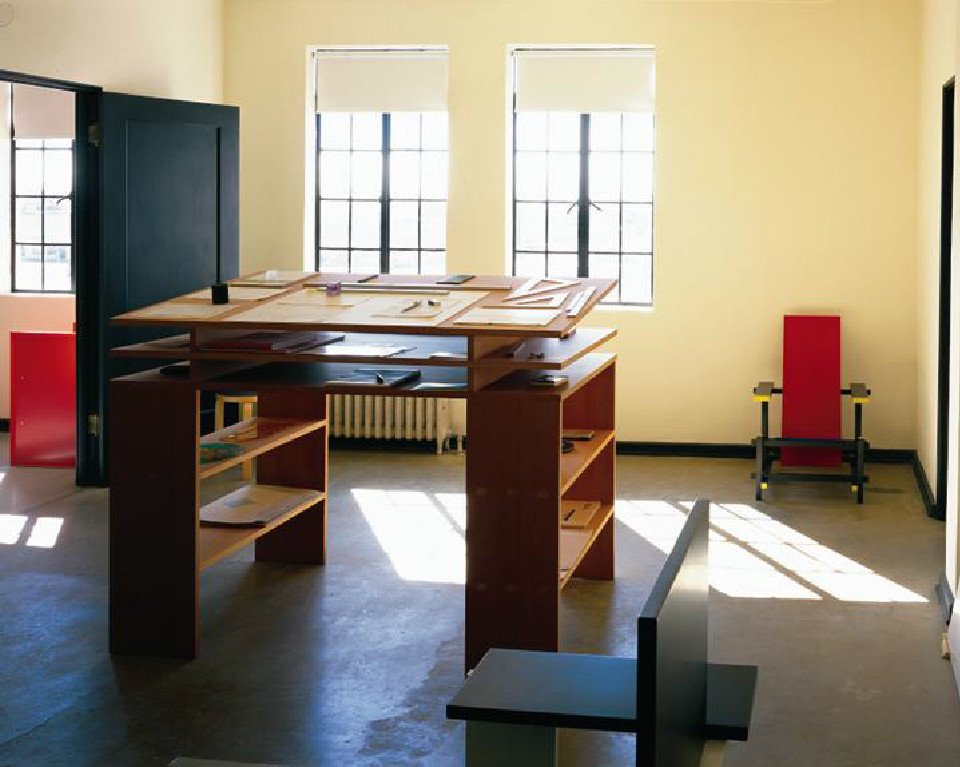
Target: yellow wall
{"x":170,"y":48}
{"x":786,"y":177}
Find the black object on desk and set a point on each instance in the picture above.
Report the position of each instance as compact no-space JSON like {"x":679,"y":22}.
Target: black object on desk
{"x":219,"y":294}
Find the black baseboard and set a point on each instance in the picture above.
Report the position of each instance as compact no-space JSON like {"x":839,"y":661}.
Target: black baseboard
{"x":728,"y":450}
{"x":945,"y":595}
{"x":4,"y":424}
{"x":384,"y":445}
{"x":930,"y":504}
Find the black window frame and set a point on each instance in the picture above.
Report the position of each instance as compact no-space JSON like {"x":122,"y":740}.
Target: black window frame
{"x":583,"y":205}
{"x":43,"y":244}
{"x":385,"y":199}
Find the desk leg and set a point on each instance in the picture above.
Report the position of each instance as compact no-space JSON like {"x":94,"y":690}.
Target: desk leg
{"x":154,"y":604}
{"x":513,"y":515}
{"x":714,"y":753}
{"x":510,"y":745}
{"x":300,"y":463}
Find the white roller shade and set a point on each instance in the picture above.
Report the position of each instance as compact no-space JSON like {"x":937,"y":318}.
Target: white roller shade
{"x":585,"y":81}
{"x":42,"y":112}
{"x":391,"y":81}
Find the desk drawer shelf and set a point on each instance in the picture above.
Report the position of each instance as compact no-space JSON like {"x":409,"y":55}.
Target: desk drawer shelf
{"x":574,"y":544}
{"x":275,"y":432}
{"x":216,"y":542}
{"x":572,"y":465}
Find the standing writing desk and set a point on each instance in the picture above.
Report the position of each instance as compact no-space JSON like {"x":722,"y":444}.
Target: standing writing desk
{"x":520,"y":553}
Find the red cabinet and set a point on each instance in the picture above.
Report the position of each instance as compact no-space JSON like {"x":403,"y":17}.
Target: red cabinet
{"x":43,"y":399}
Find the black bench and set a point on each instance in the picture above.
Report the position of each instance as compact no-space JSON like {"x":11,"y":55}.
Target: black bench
{"x":671,"y":696}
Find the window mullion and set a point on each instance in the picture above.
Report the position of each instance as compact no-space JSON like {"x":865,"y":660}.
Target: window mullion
{"x":385,"y":195}
{"x":316,"y":200}
{"x":583,"y":209}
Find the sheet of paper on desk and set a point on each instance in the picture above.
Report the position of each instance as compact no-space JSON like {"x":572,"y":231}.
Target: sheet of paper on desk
{"x":384,"y":310}
{"x":172,"y":310}
{"x":239,"y":293}
{"x":277,"y":312}
{"x":319,"y":297}
{"x":485,"y":316}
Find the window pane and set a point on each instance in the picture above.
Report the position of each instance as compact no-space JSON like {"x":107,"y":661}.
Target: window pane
{"x":405,"y":175}
{"x":403,"y":225}
{"x":531,"y":226}
{"x":605,"y":265}
{"x":564,"y":176}
{"x":334,"y":174}
{"x":365,"y":225}
{"x":433,"y":262}
{"x":365,"y":261}
{"x":334,"y":224}
{"x":605,"y":227}
{"x":636,"y":281}
{"x":531,"y":176}
{"x":436,"y":130}
{"x":335,"y":130}
{"x":28,"y":267}
{"x":366,"y":175}
{"x":405,"y":130}
{"x":28,"y":220}
{"x":638,"y":132}
{"x":563,"y":131}
{"x":604,"y":176}
{"x":403,"y":262}
{"x":58,"y":172}
{"x":56,"y":221}
{"x":530,"y":265}
{"x":56,"y":268}
{"x":562,"y":265}
{"x":29,"y":143}
{"x":29,"y":172}
{"x":563,"y":226}
{"x":58,"y":143}
{"x":367,"y":130}
{"x":638,"y":177}
{"x":531,"y":130}
{"x":605,"y":131}
{"x":434,"y":170}
{"x":637,"y":228}
{"x":433,"y":225}
{"x":334,"y":261}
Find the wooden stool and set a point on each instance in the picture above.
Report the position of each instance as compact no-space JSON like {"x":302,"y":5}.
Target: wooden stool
{"x":246,"y":403}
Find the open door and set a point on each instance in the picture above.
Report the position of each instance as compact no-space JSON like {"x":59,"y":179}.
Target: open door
{"x":168,"y":224}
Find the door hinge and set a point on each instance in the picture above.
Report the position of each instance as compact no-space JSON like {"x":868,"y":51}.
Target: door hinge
{"x":93,"y":425}
{"x":93,"y":135}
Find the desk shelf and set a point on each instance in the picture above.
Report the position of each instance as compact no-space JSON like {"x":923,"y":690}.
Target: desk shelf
{"x":216,"y":542}
{"x":575,"y":543}
{"x":572,"y":465}
{"x":278,"y":431}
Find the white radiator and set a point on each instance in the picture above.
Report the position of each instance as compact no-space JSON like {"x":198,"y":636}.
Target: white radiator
{"x":375,"y":417}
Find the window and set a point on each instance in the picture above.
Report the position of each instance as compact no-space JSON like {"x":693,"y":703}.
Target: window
{"x":42,"y":215}
{"x":381,"y":192}
{"x":583,"y":168}
{"x":583,"y":198}
{"x":381,"y":161}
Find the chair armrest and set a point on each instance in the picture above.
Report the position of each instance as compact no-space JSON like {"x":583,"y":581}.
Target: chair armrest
{"x":764,"y":391}
{"x":859,"y":393}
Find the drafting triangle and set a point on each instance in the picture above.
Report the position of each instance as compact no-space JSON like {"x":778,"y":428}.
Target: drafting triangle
{"x":540,"y":285}
{"x":552,"y":301}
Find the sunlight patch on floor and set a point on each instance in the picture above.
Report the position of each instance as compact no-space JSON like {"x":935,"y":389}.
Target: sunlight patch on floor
{"x":421,"y":533}
{"x":753,"y":555}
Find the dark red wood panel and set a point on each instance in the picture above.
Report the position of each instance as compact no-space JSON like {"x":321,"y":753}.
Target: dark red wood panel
{"x":812,"y":372}
{"x":43,"y":398}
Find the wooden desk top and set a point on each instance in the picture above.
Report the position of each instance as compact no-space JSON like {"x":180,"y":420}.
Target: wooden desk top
{"x":299,"y":305}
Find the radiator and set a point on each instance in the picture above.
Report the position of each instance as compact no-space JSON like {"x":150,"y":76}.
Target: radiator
{"x":375,"y":417}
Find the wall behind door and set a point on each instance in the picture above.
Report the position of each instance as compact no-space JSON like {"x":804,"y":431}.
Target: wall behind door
{"x":170,"y":49}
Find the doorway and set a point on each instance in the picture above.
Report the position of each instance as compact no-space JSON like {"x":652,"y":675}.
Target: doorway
{"x":946,"y":245}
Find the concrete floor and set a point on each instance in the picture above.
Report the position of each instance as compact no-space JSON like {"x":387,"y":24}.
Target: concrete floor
{"x":351,"y":664}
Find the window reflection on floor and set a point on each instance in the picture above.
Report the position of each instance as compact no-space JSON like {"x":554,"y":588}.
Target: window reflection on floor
{"x":43,"y":534}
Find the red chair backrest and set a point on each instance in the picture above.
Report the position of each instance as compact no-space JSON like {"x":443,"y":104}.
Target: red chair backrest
{"x":811,"y":388}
